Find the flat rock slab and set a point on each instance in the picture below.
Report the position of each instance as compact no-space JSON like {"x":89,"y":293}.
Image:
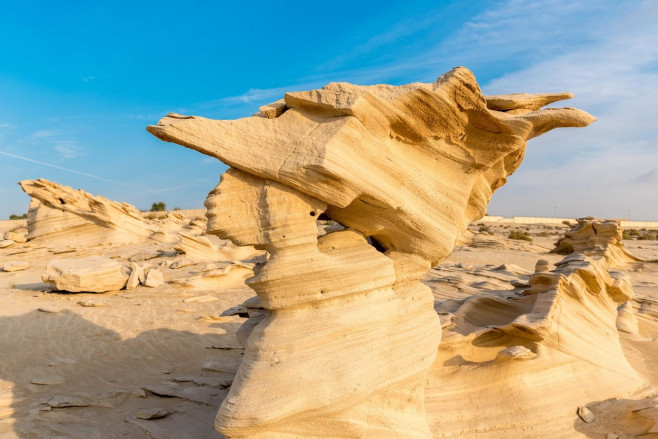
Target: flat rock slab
{"x":110,"y":399}
{"x":15,"y":266}
{"x":200,"y":394}
{"x":189,"y":421}
{"x":16,"y":237}
{"x":48,"y":380}
{"x":230,"y":366}
{"x":49,"y":309}
{"x":153,"y":413}
{"x":94,"y":274}
{"x":69,"y":401}
{"x":91,"y":303}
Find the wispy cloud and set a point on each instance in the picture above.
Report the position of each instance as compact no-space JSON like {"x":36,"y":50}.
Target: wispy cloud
{"x":257,"y":95}
{"x":591,"y":171}
{"x":68,"y":149}
{"x":44,"y":134}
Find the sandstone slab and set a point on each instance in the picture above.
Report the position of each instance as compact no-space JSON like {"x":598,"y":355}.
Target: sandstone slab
{"x":94,"y":274}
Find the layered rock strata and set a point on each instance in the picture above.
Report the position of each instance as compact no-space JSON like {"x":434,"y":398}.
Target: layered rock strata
{"x":519,"y":364}
{"x":348,"y":333}
{"x":60,"y":213}
{"x":596,"y":237}
{"x":93,"y":274}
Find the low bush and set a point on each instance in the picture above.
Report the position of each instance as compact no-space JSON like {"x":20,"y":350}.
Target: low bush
{"x":519,"y":234}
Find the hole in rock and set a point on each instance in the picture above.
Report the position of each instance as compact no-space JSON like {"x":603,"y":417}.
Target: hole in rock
{"x":312,"y":213}
{"x":378,"y":246}
{"x":61,"y":200}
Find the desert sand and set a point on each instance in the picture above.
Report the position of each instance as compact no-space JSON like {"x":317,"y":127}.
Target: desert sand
{"x":323,"y":234}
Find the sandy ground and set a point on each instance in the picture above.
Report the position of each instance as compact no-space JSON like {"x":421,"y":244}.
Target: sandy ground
{"x":74,"y":371}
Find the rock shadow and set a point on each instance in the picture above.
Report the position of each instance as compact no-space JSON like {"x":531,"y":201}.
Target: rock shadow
{"x":51,"y":359}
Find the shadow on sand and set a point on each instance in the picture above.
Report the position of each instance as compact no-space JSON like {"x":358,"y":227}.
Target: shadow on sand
{"x":51,"y":359}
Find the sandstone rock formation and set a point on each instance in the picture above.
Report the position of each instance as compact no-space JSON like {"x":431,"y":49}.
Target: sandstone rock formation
{"x":205,"y":248}
{"x":60,"y":213}
{"x":94,"y":274}
{"x":348,"y":333}
{"x":533,"y":356}
{"x":596,"y":237}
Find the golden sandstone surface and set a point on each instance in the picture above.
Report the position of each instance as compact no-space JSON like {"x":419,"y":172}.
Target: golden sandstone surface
{"x":347,"y":345}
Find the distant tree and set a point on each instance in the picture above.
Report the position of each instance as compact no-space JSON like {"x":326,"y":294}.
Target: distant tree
{"x":176,"y":208}
{"x":13,"y":216}
{"x":158,"y":207}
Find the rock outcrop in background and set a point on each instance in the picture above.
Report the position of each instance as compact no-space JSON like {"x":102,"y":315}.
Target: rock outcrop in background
{"x":61,"y":213}
{"x":519,"y":363}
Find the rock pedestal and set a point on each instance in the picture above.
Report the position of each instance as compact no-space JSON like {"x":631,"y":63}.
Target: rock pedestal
{"x":349,"y":333}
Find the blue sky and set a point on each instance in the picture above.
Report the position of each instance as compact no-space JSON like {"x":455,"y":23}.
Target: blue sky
{"x":79,"y":81}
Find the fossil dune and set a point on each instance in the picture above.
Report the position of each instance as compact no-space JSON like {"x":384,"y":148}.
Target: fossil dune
{"x":380,"y":310}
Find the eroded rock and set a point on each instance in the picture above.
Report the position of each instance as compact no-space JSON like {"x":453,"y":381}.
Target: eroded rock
{"x":93,"y":274}
{"x":16,"y":266}
{"x":405,"y":169}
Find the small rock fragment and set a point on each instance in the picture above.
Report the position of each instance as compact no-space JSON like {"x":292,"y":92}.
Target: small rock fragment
{"x":136,"y":276}
{"x":612,"y":436}
{"x":67,"y":249}
{"x":154,"y":278}
{"x":154,"y":413}
{"x":585,"y":414}
{"x":234,"y":311}
{"x":181,"y":263}
{"x":515,"y":353}
{"x":141,"y":393}
{"x":273,"y":110}
{"x":59,"y":361}
{"x":48,"y":380}
{"x":15,"y":266}
{"x":68,"y":401}
{"x":16,"y":237}
{"x":91,"y":303}
{"x":48,"y":309}
{"x":6,"y":243}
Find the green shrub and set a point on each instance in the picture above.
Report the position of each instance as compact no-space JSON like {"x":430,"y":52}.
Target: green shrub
{"x":13,"y":216}
{"x":158,"y":207}
{"x":154,"y":216}
{"x":519,"y":234}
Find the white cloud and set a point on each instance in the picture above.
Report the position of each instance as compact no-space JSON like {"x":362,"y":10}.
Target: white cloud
{"x":604,"y":51}
{"x":44,"y":134}
{"x":68,"y":149}
{"x":253,"y":95}
{"x":595,"y":170}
